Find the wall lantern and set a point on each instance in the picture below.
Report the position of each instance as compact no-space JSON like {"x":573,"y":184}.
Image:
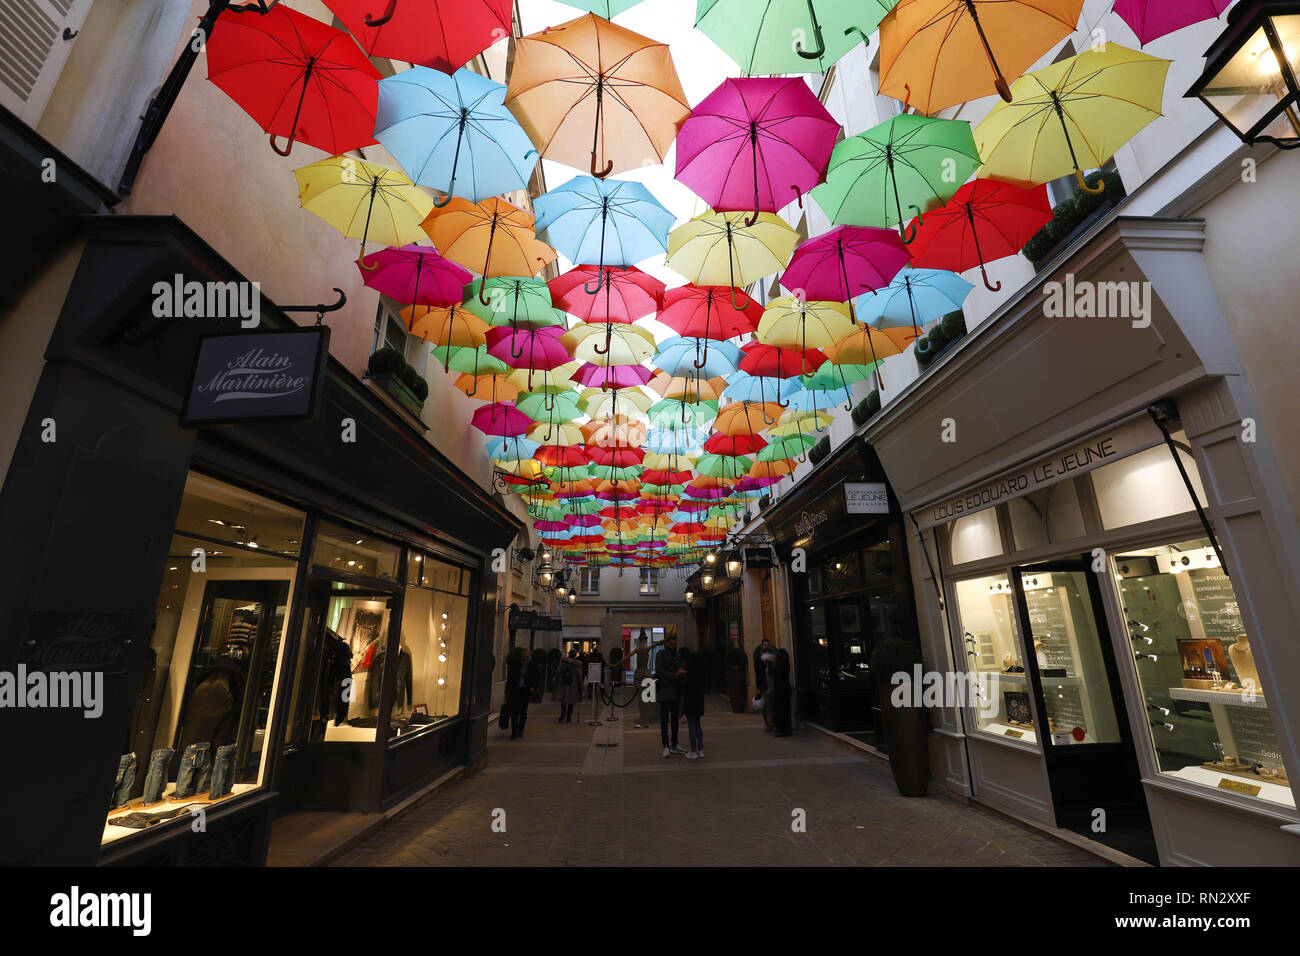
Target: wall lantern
{"x":1250,"y":75}
{"x":690,"y":596}
{"x":573,"y":598}
{"x":735,"y":567}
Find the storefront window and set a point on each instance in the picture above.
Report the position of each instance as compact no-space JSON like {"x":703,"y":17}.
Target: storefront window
{"x":992,"y":643}
{"x":349,"y":667}
{"x":842,"y":573}
{"x":1146,"y":486}
{"x":434,"y":628}
{"x":1048,"y":516}
{"x":355,"y":552}
{"x":198,"y":727}
{"x":974,"y":537}
{"x":1209,"y":719}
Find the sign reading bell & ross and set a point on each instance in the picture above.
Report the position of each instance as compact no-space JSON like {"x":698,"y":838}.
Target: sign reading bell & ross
{"x":257,"y":377}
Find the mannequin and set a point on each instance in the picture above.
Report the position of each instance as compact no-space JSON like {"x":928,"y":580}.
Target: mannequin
{"x":1243,"y":662}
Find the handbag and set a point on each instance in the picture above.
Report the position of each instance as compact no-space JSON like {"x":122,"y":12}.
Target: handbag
{"x":758,"y":703}
{"x":503,"y":722}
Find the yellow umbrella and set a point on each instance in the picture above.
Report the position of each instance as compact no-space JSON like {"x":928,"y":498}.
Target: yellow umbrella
{"x":794,"y":422}
{"x":624,"y":344}
{"x":717,"y":248}
{"x":556,"y":379}
{"x":602,"y":403}
{"x":364,"y":201}
{"x":789,"y":323}
{"x":1071,"y":115}
{"x":662,"y":461}
{"x":557,"y":433}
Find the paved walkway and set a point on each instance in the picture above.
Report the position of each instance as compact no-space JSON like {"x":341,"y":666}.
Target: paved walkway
{"x":566,"y":800}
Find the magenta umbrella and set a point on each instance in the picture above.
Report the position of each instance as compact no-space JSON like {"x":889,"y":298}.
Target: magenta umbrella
{"x":501,"y":419}
{"x":538,"y":350}
{"x":1152,"y":19}
{"x":755,"y":141}
{"x":844,"y":263}
{"x":612,"y":376}
{"x":415,"y":275}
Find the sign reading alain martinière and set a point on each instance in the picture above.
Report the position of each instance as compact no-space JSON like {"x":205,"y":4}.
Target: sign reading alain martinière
{"x":257,"y":376}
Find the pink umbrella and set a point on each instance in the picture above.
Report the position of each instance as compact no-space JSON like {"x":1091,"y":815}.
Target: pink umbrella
{"x":415,"y":275}
{"x":542,"y":526}
{"x":844,"y":263}
{"x":501,"y":419}
{"x":612,"y":376}
{"x":756,"y":142}
{"x":538,"y":350}
{"x":1152,"y":19}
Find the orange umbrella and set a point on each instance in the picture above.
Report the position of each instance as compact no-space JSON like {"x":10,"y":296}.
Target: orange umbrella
{"x":772,"y":469}
{"x":453,"y":327}
{"x":493,"y":388}
{"x":938,"y":53}
{"x":590,"y":81}
{"x":868,"y":345}
{"x":746,"y":418}
{"x":492,"y":236}
{"x":688,"y":388}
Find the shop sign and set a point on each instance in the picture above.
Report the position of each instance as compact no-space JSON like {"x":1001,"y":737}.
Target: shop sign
{"x":78,"y":640}
{"x":257,"y":376}
{"x":521,"y":620}
{"x":544,"y":623}
{"x":866,"y":498}
{"x":1118,"y":442}
{"x":758,"y":557}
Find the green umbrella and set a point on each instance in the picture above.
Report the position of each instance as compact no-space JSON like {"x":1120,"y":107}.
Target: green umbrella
{"x":662,"y":491}
{"x":723,"y":466}
{"x":787,"y":446}
{"x":908,"y":161}
{"x":668,"y":412}
{"x":789,"y":36}
{"x":549,"y":407}
{"x":471,"y":361}
{"x":514,"y":302}
{"x":830,"y":376}
{"x":608,"y":9}
{"x":566,"y":473}
{"x":611,"y":473}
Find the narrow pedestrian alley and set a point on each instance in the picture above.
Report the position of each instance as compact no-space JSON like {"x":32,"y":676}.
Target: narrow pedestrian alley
{"x":569,"y":801}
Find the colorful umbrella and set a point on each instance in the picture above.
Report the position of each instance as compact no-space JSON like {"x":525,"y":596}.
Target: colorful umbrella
{"x":1152,"y":19}
{"x":840,"y":265}
{"x":608,"y":9}
{"x":867,"y":346}
{"x":441,"y":127}
{"x":629,"y":293}
{"x":612,"y":376}
{"x":435,"y":33}
{"x":513,"y":301}
{"x":531,"y":349}
{"x":363,"y":201}
{"x":681,"y":356}
{"x":450,"y":328}
{"x":1071,"y":116}
{"x":984,"y":221}
{"x":915,"y":297}
{"x":791,"y":323}
{"x":776,"y":128}
{"x":769,"y":361}
{"x":624,"y":344}
{"x":783,"y":36}
{"x":909,"y":160}
{"x":938,"y":53}
{"x":501,"y":419}
{"x":591,"y":80}
{"x":492,"y":236}
{"x":296,"y":77}
{"x":717,"y":248}
{"x":414,"y":275}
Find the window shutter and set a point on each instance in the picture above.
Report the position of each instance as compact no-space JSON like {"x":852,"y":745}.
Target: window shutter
{"x":33,"y":51}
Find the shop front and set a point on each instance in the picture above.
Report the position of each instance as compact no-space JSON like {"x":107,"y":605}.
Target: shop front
{"x":1104,"y":559}
{"x":840,"y":539}
{"x":286,"y":615}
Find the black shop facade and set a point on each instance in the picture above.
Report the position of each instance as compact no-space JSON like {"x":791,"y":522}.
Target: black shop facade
{"x":288,"y":612}
{"x":839,"y":537}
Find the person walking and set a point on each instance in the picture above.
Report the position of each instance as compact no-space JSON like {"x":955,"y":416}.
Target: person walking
{"x":764,"y":655}
{"x":568,"y":685}
{"x":668,"y":676}
{"x":641,"y":658}
{"x":781,"y":691}
{"x":693,"y":684}
{"x":521,"y":677}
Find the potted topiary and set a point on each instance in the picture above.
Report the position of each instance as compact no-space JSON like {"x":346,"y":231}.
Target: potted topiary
{"x":737,"y":660}
{"x":387,"y":368}
{"x":906,"y":722}
{"x":820,"y":450}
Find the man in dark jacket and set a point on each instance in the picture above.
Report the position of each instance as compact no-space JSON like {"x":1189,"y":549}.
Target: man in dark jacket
{"x":522,"y":675}
{"x":668,"y":673}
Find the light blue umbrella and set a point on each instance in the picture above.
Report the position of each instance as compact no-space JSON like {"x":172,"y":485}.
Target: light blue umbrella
{"x":682,"y":440}
{"x":603,"y":221}
{"x":743,"y":387}
{"x":511,"y":449}
{"x":680,"y":358}
{"x":915,"y":297}
{"x":442,"y":129}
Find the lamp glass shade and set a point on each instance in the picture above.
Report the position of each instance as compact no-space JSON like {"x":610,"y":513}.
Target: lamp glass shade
{"x":1250,"y":77}
{"x":706,"y":581}
{"x":561,"y":591}
{"x":546,"y":577}
{"x":573,"y":597}
{"x":690,"y":596}
{"x":734,"y":568}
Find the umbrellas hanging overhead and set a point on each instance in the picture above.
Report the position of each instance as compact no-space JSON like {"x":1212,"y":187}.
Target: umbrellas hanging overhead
{"x":364,"y":201}
{"x":788,"y":36}
{"x":443,"y":34}
{"x":718,"y":249}
{"x":792,"y":323}
{"x":297,"y":77}
{"x":1152,"y":19}
{"x":756,"y":144}
{"x":840,"y":265}
{"x":915,"y":297}
{"x":445,"y":130}
{"x":1071,"y":116}
{"x":590,"y":81}
{"x":938,"y":53}
{"x":414,"y":275}
{"x":624,"y":294}
{"x":493,"y":237}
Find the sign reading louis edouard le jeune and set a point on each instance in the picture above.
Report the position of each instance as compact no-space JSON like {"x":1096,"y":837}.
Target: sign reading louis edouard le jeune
{"x":257,"y":376}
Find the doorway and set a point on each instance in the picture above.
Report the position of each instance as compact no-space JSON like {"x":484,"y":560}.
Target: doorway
{"x":1091,"y":759}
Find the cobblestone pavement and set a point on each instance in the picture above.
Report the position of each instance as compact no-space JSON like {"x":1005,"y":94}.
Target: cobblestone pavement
{"x":569,"y":801}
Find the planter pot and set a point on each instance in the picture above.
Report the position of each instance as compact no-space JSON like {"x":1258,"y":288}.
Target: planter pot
{"x":906,"y":729}
{"x":397,"y":388}
{"x":736,"y":688}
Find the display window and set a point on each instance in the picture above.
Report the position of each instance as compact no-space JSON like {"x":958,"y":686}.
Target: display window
{"x":1146,"y":486}
{"x":986,"y":607}
{"x":197,"y":734}
{"x":435,"y":618}
{"x":1209,"y":718}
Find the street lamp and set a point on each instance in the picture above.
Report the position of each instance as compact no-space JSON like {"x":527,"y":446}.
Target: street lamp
{"x":734,"y":566}
{"x":573,"y":598}
{"x":561,"y":591}
{"x":690,"y":597}
{"x":1250,"y":75}
{"x":710,"y":558}
{"x":706,"y":581}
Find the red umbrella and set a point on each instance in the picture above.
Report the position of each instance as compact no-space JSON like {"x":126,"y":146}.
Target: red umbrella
{"x":844,"y":263}
{"x":615,"y":457}
{"x":538,"y":350}
{"x":697,"y":312}
{"x":629,"y":294}
{"x":769,"y":361}
{"x":560,"y":456}
{"x":415,"y":275}
{"x":501,"y":419}
{"x":734,"y":444}
{"x":297,"y":77}
{"x":443,"y":34}
{"x":984,"y":221}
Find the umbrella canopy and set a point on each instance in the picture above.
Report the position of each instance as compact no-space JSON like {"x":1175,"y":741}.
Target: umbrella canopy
{"x":625,"y":294}
{"x":867,"y":346}
{"x":746,"y":418}
{"x":758,"y":36}
{"x":938,"y":53}
{"x":363,"y":201}
{"x":488,"y":388}
{"x":414,"y":275}
{"x":449,"y":130}
{"x":791,"y":323}
{"x":915,"y":297}
{"x":513,"y":301}
{"x":436,"y":33}
{"x":768,"y":361}
{"x":908,"y":161}
{"x":589,"y":81}
{"x":623,"y":344}
{"x":1071,"y":116}
{"x":603,"y":221}
{"x":501,"y":419}
{"x":297,"y":77}
{"x":492,"y":236}
{"x":717,"y":248}
{"x":755,"y":143}
{"x":984,"y":221}
{"x":472,"y":361}
{"x":1152,"y":19}
{"x":608,"y":9}
{"x":840,"y":265}
{"x":449,"y":328}
{"x":682,"y":356}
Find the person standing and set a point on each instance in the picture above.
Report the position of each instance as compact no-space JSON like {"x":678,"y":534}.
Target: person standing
{"x":764,"y":655}
{"x":693,"y":702}
{"x":521,"y":677}
{"x":641,"y":656}
{"x":568,"y":684}
{"x":781,"y":691}
{"x":668,"y":676}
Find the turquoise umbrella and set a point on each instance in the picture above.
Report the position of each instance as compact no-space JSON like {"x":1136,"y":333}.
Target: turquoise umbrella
{"x":914,"y":297}
{"x":767,"y":37}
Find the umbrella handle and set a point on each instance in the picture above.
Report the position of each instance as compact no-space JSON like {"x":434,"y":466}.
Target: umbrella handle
{"x":987,"y":284}
{"x":909,"y":236}
{"x":288,"y":147}
{"x":817,"y":34}
{"x":600,"y":281}
{"x":609,"y":337}
{"x":600,"y":174}
{"x":440,"y":203}
{"x":740,"y":308}
{"x":1083,"y":183}
{"x":388,"y":15}
{"x":362,"y":261}
{"x":798,"y":196}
